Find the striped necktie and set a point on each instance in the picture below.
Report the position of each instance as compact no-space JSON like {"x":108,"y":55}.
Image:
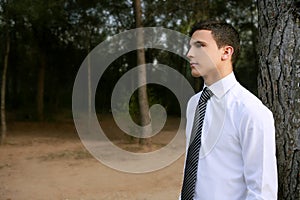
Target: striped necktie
{"x":191,"y":164}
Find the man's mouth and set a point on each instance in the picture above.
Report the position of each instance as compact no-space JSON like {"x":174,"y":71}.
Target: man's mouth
{"x":193,"y":64}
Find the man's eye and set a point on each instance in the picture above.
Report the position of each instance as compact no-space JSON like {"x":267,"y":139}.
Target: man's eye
{"x":198,"y":45}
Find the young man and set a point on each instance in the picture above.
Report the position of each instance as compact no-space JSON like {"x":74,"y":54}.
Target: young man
{"x":235,"y":158}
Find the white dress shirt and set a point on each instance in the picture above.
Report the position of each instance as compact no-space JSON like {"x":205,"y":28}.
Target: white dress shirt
{"x":237,"y":155}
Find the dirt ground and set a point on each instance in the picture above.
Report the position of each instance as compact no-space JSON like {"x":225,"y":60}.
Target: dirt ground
{"x":47,"y":161}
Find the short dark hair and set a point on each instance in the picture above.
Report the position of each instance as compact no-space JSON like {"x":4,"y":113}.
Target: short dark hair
{"x":223,"y":33}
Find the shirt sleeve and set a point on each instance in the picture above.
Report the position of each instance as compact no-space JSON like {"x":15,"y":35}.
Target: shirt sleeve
{"x":257,"y":139}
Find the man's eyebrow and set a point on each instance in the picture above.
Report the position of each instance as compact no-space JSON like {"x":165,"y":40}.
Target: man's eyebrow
{"x":199,"y":42}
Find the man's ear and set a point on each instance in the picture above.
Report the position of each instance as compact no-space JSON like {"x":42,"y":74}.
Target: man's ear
{"x":227,"y":52}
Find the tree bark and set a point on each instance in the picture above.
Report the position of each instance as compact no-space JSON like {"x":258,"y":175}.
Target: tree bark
{"x":142,"y":77}
{"x":279,"y":86}
{"x":3,"y":89}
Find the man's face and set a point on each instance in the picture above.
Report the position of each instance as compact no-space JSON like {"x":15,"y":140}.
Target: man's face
{"x":204,"y":55}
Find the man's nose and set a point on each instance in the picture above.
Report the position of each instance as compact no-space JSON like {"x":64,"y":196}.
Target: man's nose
{"x":189,"y":54}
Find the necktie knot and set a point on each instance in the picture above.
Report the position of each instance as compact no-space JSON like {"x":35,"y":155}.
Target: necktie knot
{"x":206,"y":94}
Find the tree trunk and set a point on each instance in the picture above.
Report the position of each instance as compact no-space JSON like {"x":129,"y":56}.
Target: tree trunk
{"x":89,"y":68}
{"x":279,"y":86}
{"x":3,"y":89}
{"x":142,"y":77}
{"x":40,"y":88}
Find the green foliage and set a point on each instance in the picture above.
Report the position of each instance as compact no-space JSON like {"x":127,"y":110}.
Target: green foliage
{"x":64,"y":31}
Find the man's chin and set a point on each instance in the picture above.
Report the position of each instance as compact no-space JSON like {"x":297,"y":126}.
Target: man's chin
{"x":195,"y":74}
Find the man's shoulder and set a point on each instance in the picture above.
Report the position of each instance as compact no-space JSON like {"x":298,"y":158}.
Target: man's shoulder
{"x":241,"y":94}
{"x":247,"y":103}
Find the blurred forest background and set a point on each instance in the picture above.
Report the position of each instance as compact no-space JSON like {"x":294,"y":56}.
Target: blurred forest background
{"x":44,"y":42}
{"x":49,"y":40}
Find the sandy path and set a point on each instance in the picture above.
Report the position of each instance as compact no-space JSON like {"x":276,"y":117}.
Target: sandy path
{"x":36,"y":164}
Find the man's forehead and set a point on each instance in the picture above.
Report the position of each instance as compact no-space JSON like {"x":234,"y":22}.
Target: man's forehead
{"x":201,"y":36}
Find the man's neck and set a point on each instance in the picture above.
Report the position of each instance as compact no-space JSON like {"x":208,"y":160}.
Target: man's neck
{"x":213,"y":78}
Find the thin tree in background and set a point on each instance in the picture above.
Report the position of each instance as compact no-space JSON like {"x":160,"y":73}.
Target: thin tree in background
{"x":278,"y":86}
{"x":3,"y":85}
{"x":142,"y":76}
{"x":89,"y":69}
{"x":3,"y":89}
{"x":41,"y":87}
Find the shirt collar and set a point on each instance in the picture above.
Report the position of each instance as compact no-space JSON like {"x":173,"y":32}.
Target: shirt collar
{"x":221,"y":87}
